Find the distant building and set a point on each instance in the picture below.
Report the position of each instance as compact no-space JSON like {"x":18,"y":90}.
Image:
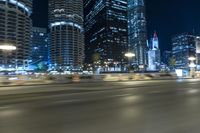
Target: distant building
{"x":166,"y":55}
{"x":154,"y":60}
{"x":106,"y":29}
{"x":66,"y":34}
{"x":39,"y":46}
{"x":137,"y":31}
{"x":183,"y":47}
{"x":198,"y":52}
{"x":15,"y":30}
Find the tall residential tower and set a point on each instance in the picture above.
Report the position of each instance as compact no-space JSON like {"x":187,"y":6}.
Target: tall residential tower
{"x":137,"y":32}
{"x":106,"y":29}
{"x":15,"y":30}
{"x":66,"y":34}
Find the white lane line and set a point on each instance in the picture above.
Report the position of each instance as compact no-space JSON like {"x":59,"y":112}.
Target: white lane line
{"x":154,"y":92}
{"x":83,"y":100}
{"x":122,"y":95}
{"x":4,"y":107}
{"x":193,"y":83}
{"x":67,"y":101}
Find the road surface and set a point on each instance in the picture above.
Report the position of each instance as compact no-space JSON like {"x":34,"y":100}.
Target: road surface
{"x":118,"y":107}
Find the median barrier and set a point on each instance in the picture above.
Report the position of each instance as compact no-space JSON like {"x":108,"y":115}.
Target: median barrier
{"x":112,"y":77}
{"x":99,"y":78}
{"x":76,"y":78}
{"x":4,"y":80}
{"x":48,"y":79}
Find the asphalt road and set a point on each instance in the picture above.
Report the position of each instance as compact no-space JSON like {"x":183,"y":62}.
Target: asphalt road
{"x":118,"y":107}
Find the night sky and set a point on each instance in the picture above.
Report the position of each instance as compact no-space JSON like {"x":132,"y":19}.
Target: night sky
{"x":167,"y":17}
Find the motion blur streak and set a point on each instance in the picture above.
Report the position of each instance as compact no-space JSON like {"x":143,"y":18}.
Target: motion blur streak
{"x":112,"y":107}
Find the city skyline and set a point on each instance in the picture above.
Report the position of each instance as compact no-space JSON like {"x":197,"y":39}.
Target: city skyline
{"x":99,"y":66}
{"x":159,"y":18}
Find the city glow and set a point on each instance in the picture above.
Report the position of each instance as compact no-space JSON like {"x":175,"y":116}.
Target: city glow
{"x":129,"y":55}
{"x":7,"y":47}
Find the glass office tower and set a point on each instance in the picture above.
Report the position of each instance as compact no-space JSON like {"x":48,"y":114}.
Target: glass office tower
{"x":137,"y":31}
{"x":66,"y":34}
{"x":15,"y":30}
{"x":106,"y":29}
{"x":183,"y":47}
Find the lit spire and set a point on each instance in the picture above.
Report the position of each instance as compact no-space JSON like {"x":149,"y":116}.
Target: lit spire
{"x":155,"y":41}
{"x":155,"y":34}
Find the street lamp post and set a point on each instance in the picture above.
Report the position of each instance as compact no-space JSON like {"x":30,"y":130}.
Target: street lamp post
{"x":129,"y":55}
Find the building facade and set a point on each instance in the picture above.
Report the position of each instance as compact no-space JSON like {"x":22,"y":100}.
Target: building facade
{"x":166,"y":56}
{"x":106,"y":29}
{"x":15,"y":30}
{"x":198,"y":52}
{"x":183,"y":47}
{"x":66,"y":34}
{"x":137,"y":31}
{"x":39,"y":46}
{"x":154,"y":60}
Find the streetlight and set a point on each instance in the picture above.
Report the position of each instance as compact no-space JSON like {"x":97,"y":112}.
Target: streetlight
{"x":7,"y":48}
{"x":129,"y":55}
{"x":191,"y":58}
{"x":192,"y":65}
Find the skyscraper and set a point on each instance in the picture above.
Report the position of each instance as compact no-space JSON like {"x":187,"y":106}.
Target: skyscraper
{"x":15,"y":30}
{"x":105,"y":29}
{"x":66,"y":33}
{"x":137,"y":32}
{"x":155,"y":42}
{"x":154,"y":60}
{"x":39,"y":47}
